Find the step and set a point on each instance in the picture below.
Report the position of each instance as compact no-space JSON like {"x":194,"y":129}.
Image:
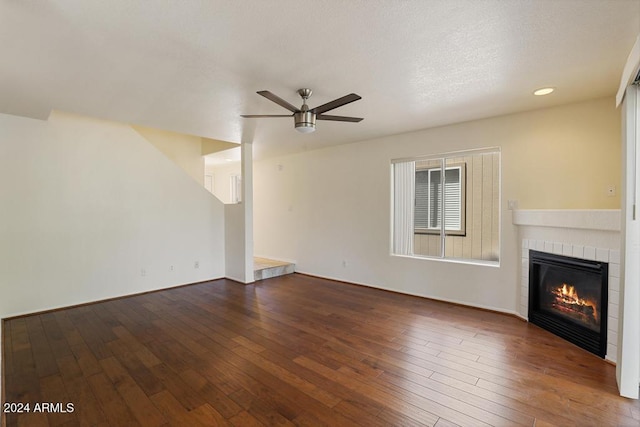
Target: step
{"x":264,"y":268}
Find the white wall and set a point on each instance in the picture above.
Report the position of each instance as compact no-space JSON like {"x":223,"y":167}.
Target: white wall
{"x":239,"y":225}
{"x":86,"y":205}
{"x":628,"y":368}
{"x":326,"y":208}
{"x":222,"y":179}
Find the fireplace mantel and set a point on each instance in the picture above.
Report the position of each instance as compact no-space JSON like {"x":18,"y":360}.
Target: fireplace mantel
{"x":581,"y":219}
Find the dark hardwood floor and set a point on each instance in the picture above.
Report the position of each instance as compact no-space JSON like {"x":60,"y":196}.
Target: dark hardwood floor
{"x":297,"y":350}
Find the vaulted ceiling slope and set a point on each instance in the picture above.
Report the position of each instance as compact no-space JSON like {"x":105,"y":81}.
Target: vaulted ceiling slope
{"x":194,"y":66}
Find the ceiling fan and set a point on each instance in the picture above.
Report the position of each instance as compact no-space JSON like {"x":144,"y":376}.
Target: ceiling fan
{"x":305,"y":117}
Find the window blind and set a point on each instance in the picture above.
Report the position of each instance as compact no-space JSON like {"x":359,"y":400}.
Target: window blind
{"x":422,"y":199}
{"x":452,"y":199}
{"x":403,"y":213}
{"x":428,"y":199}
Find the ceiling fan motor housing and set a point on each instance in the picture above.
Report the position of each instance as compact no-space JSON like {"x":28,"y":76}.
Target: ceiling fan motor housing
{"x":305,"y":121}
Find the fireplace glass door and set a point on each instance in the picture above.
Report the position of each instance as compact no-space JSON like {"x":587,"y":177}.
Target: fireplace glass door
{"x":574,"y":295}
{"x":568,"y":296}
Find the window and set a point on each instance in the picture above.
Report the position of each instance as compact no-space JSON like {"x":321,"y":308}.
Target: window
{"x":464,"y":189}
{"x":428,"y":200}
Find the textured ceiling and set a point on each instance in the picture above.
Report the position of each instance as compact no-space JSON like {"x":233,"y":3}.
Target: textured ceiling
{"x":194,"y":66}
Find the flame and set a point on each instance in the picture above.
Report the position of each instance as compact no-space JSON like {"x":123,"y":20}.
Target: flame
{"x":570,"y":292}
{"x":570,"y":296}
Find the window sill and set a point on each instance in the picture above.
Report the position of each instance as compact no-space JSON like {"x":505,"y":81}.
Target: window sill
{"x":481,"y":263}
{"x":437,"y":233}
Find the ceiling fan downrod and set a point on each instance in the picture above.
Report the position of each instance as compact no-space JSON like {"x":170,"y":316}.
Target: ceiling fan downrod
{"x":305,"y":120}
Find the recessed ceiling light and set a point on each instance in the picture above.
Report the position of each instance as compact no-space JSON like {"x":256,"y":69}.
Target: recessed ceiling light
{"x":543,"y":91}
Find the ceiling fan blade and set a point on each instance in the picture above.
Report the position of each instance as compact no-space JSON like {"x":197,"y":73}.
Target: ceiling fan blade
{"x":281,"y":102}
{"x":336,"y":103}
{"x":257,"y":116}
{"x":339,"y":118}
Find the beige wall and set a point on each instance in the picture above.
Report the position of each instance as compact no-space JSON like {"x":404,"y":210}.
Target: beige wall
{"x":184,"y":150}
{"x":563,"y":157}
{"x":329,"y":210}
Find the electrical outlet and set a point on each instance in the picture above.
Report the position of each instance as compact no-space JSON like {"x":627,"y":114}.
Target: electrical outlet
{"x":344,"y":263}
{"x":512,"y":204}
{"x":143,"y":272}
{"x":196,"y":264}
{"x":171,"y":268}
{"x":611,"y":191}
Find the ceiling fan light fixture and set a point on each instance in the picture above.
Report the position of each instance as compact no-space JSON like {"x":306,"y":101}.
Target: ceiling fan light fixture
{"x":305,"y":121}
{"x":305,"y":128}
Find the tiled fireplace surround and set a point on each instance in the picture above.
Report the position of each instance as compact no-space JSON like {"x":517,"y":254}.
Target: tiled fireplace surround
{"x":586,"y":234}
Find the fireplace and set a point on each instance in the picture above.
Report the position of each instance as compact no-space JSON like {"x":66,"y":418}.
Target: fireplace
{"x":568,"y":297}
